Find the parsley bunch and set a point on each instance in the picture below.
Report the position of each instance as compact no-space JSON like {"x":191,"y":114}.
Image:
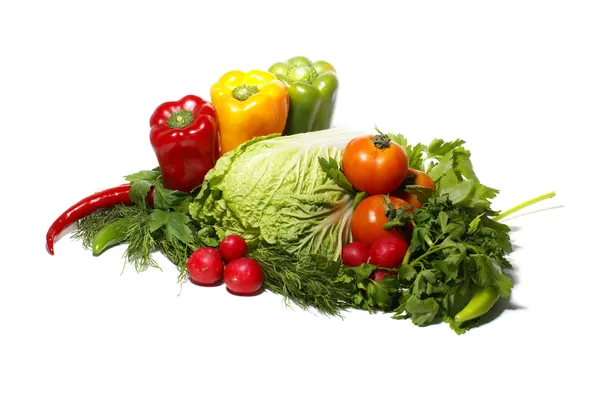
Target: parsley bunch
{"x":458,"y":246}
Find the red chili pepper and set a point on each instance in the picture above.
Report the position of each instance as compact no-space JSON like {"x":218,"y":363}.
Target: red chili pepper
{"x":184,"y":135}
{"x":103,"y":199}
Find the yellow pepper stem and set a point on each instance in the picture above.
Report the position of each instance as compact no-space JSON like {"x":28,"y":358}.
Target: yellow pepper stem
{"x":244,"y":91}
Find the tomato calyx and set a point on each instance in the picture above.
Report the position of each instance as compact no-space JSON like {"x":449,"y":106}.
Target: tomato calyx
{"x":381,"y":141}
{"x":409,"y":180}
{"x":390,"y":209}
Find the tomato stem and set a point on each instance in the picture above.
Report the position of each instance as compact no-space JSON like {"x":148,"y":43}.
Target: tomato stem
{"x":381,"y":141}
{"x":523,"y":205}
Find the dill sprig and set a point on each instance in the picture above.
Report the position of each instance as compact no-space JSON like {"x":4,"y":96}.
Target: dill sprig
{"x":309,"y":281}
{"x":141,"y":238}
{"x":87,"y":227}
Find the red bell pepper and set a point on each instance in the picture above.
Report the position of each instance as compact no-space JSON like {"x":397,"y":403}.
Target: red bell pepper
{"x":184,"y":136}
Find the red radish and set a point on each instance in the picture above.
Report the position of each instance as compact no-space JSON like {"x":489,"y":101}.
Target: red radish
{"x":354,"y":254}
{"x":388,"y":252}
{"x":379,"y":275}
{"x":243,"y":276}
{"x":205,"y":266}
{"x":232,"y":247}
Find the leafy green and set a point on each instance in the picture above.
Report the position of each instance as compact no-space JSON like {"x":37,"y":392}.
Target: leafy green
{"x":175,"y":225}
{"x":368,"y":294}
{"x":332,"y":168}
{"x":453,"y":249}
{"x":168,"y":199}
{"x":284,"y":191}
{"x":165,"y":228}
{"x":141,"y":182}
{"x":309,"y":280}
{"x":414,"y":152}
{"x":451,"y":169}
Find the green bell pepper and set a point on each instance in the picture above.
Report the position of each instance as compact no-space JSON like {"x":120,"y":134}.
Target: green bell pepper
{"x":312,"y":89}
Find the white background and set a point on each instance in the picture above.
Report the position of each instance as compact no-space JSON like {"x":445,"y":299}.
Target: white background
{"x":518,"y":80}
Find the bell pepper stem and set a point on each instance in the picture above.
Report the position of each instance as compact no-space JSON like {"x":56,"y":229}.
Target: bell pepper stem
{"x":244,"y":91}
{"x":302,"y":73}
{"x":180,"y":119}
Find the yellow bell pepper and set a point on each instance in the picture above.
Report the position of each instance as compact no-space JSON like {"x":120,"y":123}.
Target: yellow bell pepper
{"x":248,"y":105}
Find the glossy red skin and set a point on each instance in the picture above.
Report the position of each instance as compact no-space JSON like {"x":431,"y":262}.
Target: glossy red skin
{"x":243,"y":276}
{"x":421,"y":179}
{"x":379,"y":275}
{"x":374,"y":170}
{"x":185,"y":155}
{"x":354,"y":254}
{"x":232,"y":247}
{"x":369,"y":218}
{"x":205,"y":266}
{"x":100,"y":200}
{"x":388,"y":252}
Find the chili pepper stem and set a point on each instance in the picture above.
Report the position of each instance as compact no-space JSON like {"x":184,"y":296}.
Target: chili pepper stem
{"x":524,"y":205}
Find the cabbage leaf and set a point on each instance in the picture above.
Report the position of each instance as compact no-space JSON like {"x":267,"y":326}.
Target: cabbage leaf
{"x":272,"y":191}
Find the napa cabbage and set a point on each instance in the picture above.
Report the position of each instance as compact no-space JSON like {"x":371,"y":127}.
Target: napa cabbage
{"x":272,"y":191}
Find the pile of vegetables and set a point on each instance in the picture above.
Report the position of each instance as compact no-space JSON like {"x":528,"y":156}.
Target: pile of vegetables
{"x":256,"y":190}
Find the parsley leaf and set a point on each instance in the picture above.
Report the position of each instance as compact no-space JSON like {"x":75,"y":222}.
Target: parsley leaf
{"x":332,"y":168}
{"x":175,"y":225}
{"x":169,"y":199}
{"x":145,"y":175}
{"x":414,"y":153}
{"x":141,"y":182}
{"x":422,"y":311}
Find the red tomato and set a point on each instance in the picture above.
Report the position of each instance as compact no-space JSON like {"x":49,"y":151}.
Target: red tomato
{"x":354,"y":254}
{"x":243,"y":276}
{"x":369,"y":217}
{"x":232,"y":247}
{"x":375,"y":164}
{"x":205,"y":266}
{"x":421,"y":179}
{"x":388,"y":252}
{"x":379,"y":275}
